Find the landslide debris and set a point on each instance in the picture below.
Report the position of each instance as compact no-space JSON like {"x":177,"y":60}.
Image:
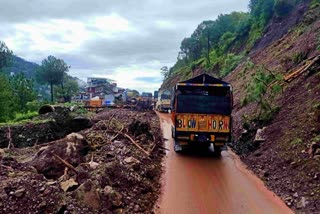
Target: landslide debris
{"x":113,"y":167}
{"x":46,"y":127}
{"x":288,"y":158}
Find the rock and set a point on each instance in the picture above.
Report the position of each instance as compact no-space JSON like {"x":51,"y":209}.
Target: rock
{"x":314,"y":149}
{"x":93,"y":165}
{"x":114,"y":197}
{"x":107,"y":190}
{"x":317,"y":157}
{"x":302,"y":203}
{"x":131,"y":160}
{"x":88,"y":195}
{"x":72,"y":149}
{"x":288,"y":199}
{"x":69,"y":184}
{"x":74,"y":137}
{"x":118,"y":211}
{"x":259,"y":135}
{"x":2,"y":152}
{"x":42,"y":189}
{"x":19,"y":193}
{"x":295,"y":195}
{"x":264,"y":173}
{"x":136,"y":208}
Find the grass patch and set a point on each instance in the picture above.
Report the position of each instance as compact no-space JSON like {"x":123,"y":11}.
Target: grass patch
{"x":296,"y":141}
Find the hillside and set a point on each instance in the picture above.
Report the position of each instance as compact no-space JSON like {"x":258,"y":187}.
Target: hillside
{"x":20,"y":65}
{"x":289,"y":112}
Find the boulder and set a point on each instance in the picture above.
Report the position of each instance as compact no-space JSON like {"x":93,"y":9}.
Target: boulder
{"x":72,"y":149}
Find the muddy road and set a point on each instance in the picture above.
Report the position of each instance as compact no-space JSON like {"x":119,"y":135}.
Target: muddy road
{"x":202,"y":183}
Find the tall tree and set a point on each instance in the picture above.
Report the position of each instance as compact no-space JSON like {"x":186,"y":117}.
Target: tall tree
{"x":69,"y":88}
{"x":23,"y":92}
{"x":52,"y":71}
{"x":5,"y":55}
{"x":6,"y":102}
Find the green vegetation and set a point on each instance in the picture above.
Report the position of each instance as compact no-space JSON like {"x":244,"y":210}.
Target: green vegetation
{"x":19,"y":88}
{"x":262,"y":89}
{"x":218,"y":46}
{"x":25,"y":116}
{"x":296,"y":141}
{"x":299,"y":57}
{"x":52,"y":71}
{"x":314,"y":4}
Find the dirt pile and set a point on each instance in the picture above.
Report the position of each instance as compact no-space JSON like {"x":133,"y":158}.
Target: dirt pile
{"x":109,"y":170}
{"x":44,"y":128}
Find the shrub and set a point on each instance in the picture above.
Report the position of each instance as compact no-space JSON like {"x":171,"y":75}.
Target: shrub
{"x":230,"y":63}
{"x":262,"y":89}
{"x":25,"y":116}
{"x":34,"y":106}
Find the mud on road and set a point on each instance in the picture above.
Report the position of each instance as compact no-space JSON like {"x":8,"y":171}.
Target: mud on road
{"x":202,"y":183}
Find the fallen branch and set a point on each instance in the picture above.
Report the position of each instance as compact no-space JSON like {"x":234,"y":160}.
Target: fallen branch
{"x":114,"y":137}
{"x":153,"y":147}
{"x":301,"y":70}
{"x":65,"y":163}
{"x":9,"y":138}
{"x":137,"y":145}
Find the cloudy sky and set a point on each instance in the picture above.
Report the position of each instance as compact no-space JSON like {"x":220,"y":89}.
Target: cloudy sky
{"x":127,"y":41}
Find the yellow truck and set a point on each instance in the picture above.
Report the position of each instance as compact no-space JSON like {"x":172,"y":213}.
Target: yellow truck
{"x":201,"y":113}
{"x":164,"y":101}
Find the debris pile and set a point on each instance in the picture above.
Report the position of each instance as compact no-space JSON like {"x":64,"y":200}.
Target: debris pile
{"x":113,"y":167}
{"x":47,"y":127}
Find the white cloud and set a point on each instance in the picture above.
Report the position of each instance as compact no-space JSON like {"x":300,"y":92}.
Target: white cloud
{"x":128,"y":41}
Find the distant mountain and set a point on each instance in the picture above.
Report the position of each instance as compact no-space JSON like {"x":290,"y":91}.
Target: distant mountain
{"x":20,"y":65}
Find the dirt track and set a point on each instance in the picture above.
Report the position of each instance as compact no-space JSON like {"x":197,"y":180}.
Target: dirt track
{"x":201,"y":183}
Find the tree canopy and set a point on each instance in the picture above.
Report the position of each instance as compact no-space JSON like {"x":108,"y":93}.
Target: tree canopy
{"x":5,"y":55}
{"x":52,"y":71}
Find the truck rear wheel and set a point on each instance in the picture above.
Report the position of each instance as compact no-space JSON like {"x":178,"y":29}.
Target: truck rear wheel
{"x":217,"y":152}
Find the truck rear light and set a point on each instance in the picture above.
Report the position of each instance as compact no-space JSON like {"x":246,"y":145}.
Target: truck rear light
{"x":212,"y":138}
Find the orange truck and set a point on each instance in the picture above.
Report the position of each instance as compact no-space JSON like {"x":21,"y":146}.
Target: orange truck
{"x":201,"y":113}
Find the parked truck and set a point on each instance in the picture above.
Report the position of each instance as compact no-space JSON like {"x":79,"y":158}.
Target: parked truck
{"x":164,"y":101}
{"x":201,"y":113}
{"x":145,"y":101}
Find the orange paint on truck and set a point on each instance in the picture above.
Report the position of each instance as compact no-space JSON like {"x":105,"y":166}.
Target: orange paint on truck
{"x":202,"y":123}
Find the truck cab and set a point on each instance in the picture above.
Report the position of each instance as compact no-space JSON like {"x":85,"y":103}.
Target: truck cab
{"x":164,"y":101}
{"x":201,"y":113}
